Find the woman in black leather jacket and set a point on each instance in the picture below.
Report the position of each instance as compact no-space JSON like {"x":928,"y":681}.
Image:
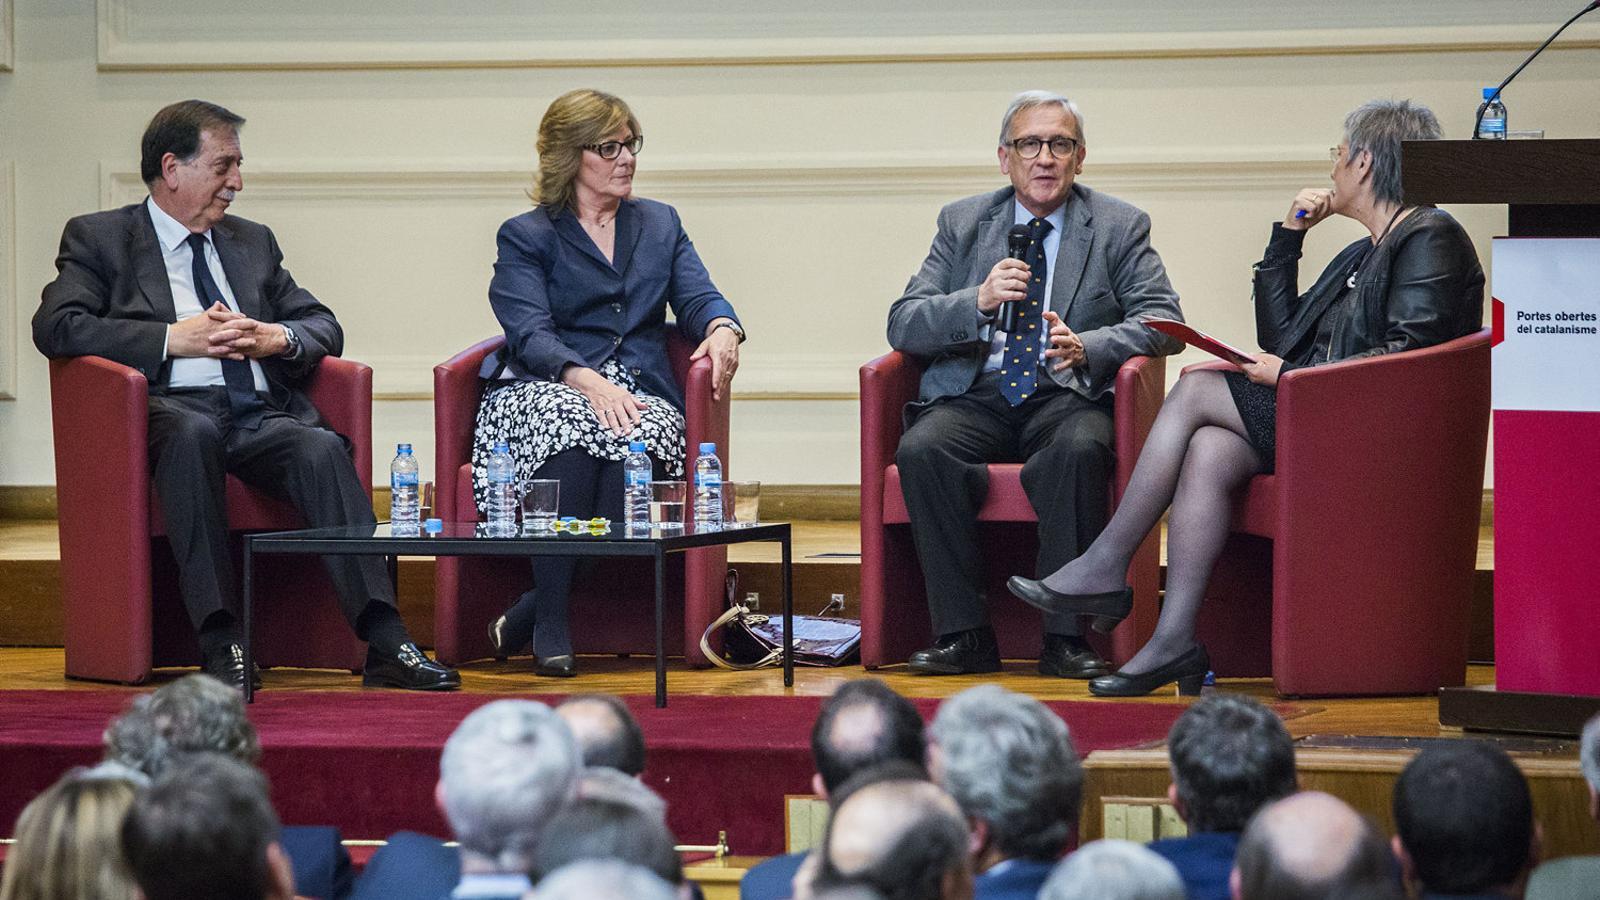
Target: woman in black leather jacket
{"x":1413,"y":282}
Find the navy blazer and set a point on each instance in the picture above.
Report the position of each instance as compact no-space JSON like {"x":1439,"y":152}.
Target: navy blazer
{"x":561,"y":303}
{"x":1013,"y":879}
{"x":772,"y":879}
{"x":410,"y":867}
{"x":1204,"y":861}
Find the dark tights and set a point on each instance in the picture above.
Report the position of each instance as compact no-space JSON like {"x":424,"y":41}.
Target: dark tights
{"x":589,"y":487}
{"x":1196,"y":457}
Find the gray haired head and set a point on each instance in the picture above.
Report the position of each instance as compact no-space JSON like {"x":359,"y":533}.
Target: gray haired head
{"x":1378,"y":127}
{"x":1031,"y":99}
{"x":1589,"y":753}
{"x":1009,"y":761}
{"x":1113,"y":870}
{"x":1230,"y":756}
{"x":195,"y":714}
{"x":505,"y":771}
{"x":594,"y":879}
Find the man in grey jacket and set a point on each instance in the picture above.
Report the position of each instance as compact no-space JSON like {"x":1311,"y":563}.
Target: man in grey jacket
{"x":1040,"y":393}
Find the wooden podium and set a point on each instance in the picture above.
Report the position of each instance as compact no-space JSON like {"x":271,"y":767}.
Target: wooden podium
{"x":1546,"y":427}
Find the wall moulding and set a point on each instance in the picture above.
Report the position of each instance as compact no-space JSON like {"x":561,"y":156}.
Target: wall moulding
{"x":9,"y":348}
{"x":7,"y":52}
{"x":131,"y":36}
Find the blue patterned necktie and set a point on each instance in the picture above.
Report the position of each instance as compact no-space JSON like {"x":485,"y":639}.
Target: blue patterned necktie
{"x":1019,"y":368}
{"x":243,"y":401}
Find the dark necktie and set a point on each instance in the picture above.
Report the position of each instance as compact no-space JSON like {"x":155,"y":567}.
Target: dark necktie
{"x":1019,"y":368}
{"x":243,"y":401}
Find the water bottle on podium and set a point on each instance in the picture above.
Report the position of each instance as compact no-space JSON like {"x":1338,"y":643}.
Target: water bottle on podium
{"x":1491,"y":117}
{"x":707,"y":489}
{"x":636,"y":474}
{"x":502,"y":506}
{"x":405,"y":511}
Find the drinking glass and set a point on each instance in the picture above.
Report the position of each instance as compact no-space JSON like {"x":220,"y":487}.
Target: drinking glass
{"x":541,"y":502}
{"x":667,"y":504}
{"x":740,"y":503}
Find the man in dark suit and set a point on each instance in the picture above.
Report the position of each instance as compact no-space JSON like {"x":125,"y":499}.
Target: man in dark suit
{"x":1039,"y":394}
{"x":1464,"y":823}
{"x":199,"y":302}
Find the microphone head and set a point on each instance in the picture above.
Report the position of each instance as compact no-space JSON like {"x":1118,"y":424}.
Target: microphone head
{"x":1018,"y":237}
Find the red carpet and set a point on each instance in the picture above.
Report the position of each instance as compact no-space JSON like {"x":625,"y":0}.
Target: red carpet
{"x":367,"y":762}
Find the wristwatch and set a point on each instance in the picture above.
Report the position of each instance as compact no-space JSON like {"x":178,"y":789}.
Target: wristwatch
{"x":731,"y":326}
{"x":293,"y":349}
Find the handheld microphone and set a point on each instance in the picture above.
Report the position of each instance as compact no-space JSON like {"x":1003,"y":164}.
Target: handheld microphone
{"x":1017,"y":248}
{"x":1478,"y":119}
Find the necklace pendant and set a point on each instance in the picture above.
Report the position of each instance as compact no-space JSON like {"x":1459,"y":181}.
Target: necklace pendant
{"x":1351,"y":281}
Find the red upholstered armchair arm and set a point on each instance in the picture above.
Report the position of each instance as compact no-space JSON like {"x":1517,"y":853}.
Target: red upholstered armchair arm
{"x":341,"y":390}
{"x":1141,"y":386}
{"x":457,"y":390}
{"x":888,"y":383}
{"x":704,"y":418}
{"x":101,"y":417}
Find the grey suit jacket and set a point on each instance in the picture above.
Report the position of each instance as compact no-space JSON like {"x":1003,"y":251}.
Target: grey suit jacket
{"x":1107,"y":276}
{"x":112,"y":298}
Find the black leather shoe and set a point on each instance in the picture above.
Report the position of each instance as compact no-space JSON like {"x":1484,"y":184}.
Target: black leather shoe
{"x":1107,"y":609}
{"x":1188,"y":670}
{"x":1070,"y":657}
{"x":410,"y":669}
{"x":959,"y":654}
{"x":497,"y":639}
{"x":227,"y":666}
{"x":564,"y":666}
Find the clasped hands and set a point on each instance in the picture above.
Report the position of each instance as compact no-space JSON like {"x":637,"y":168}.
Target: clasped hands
{"x":221,"y":333}
{"x":1008,"y":281}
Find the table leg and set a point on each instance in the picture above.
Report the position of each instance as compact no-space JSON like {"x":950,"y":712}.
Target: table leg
{"x":788,"y":616}
{"x":661,"y":642}
{"x":246,"y":611}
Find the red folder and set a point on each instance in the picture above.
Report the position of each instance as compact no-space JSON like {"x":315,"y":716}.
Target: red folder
{"x":1196,"y":338}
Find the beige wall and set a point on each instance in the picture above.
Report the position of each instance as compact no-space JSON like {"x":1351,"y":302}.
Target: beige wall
{"x":808,"y":147}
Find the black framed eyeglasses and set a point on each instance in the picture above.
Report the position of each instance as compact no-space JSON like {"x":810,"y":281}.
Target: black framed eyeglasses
{"x":613,"y":149}
{"x":1029,"y":147}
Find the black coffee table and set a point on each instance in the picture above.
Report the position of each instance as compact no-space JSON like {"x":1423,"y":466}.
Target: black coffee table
{"x":471,"y":539}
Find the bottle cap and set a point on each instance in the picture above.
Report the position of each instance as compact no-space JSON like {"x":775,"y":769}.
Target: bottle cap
{"x":708,"y":447}
{"x":433,"y":526}
{"x":1488,"y":92}
{"x":636,"y":447}
{"x":502,"y":447}
{"x":403,"y":449}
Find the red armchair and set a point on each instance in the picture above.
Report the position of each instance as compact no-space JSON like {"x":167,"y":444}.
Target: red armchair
{"x":1350,"y":569}
{"x":894,"y":612}
{"x":612,"y":607}
{"x":120,"y":601}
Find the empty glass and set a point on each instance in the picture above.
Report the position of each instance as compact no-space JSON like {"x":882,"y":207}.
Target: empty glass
{"x":740,"y":503}
{"x":667,"y":504}
{"x":541,"y":501}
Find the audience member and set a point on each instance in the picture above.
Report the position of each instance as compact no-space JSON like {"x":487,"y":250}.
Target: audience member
{"x":901,"y":836}
{"x":506,"y":770}
{"x":1009,"y":763}
{"x":594,"y":879}
{"x":68,"y":841}
{"x":199,"y":714}
{"x":1464,"y":822}
{"x":1572,"y":875}
{"x":1230,"y":757}
{"x":1113,"y":870}
{"x":605,"y":783}
{"x":1312,"y":846}
{"x":589,"y":828}
{"x":863,"y":724}
{"x":606,"y":732}
{"x":205,"y":831}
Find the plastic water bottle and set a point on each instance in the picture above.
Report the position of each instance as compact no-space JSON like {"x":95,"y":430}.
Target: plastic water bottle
{"x":636,"y":474}
{"x":405,"y":512}
{"x":502,"y":506}
{"x":707,"y":489}
{"x":1492,"y":125}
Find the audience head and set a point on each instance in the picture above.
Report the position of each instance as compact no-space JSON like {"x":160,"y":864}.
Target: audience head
{"x":864,"y":724}
{"x":1464,"y":819}
{"x":195,"y":714}
{"x":604,"y":783}
{"x":897,"y":834}
{"x":1311,"y":846}
{"x":1589,"y":751}
{"x":595,"y":879}
{"x":206,"y":831}
{"x":68,"y":842}
{"x":606,"y":732}
{"x":574,"y":120}
{"x":1010,"y":764}
{"x":505,"y":771}
{"x":591,"y":828}
{"x":1113,"y":870}
{"x":1230,"y":757}
{"x":1378,"y":127}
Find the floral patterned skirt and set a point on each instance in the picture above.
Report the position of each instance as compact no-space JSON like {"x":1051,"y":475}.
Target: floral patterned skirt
{"x":539,"y":419}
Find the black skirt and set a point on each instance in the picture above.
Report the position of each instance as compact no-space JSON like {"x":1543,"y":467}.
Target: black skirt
{"x":1258,"y":407}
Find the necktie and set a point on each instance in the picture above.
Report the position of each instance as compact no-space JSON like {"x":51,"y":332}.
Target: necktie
{"x":1019,"y":368}
{"x":243,"y":401}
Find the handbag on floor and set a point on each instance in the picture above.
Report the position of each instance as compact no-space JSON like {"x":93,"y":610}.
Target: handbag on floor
{"x":755,"y":640}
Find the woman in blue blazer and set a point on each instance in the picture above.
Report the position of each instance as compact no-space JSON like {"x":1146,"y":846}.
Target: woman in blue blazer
{"x":581,"y":287}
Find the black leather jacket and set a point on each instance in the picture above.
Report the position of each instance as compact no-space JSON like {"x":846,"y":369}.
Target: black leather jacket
{"x":1422,"y":285}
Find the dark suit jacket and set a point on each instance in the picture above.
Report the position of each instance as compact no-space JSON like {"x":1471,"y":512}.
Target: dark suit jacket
{"x":1107,"y":276}
{"x":1204,"y":861}
{"x":771,"y":879}
{"x":1017,"y":879}
{"x":560,"y":302}
{"x":321,"y":864}
{"x":111,"y":298}
{"x":410,"y":866}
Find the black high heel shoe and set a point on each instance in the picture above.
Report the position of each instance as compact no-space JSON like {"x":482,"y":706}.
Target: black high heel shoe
{"x":497,"y":639}
{"x":1188,"y":670}
{"x":1108,"y":609}
{"x":563,"y":666}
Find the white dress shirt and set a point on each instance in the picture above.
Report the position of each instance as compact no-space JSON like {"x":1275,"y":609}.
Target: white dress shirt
{"x":1052,"y":242}
{"x":192,"y":371}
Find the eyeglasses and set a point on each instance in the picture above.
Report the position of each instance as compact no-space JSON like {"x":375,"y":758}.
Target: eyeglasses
{"x":1029,"y":147}
{"x":613,"y":149}
{"x":1334,"y":153}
